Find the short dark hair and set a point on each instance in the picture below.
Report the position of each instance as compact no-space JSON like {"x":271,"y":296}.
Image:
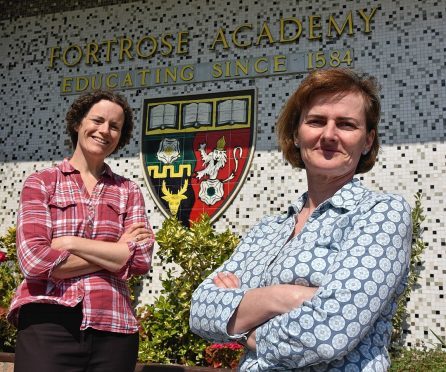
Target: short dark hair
{"x":82,"y":105}
{"x":336,"y":81}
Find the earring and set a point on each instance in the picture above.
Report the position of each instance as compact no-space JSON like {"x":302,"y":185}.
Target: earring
{"x":365,"y":152}
{"x":296,"y":144}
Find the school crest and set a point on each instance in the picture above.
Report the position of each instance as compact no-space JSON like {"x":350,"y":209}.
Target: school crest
{"x":196,"y":150}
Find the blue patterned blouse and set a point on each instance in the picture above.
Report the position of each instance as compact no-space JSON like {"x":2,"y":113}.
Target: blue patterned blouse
{"x":355,"y":247}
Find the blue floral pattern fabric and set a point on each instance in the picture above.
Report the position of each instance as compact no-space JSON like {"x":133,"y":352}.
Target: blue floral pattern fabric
{"x":355,"y":247}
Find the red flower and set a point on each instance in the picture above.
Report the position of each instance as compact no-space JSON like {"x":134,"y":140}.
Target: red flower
{"x":2,"y":256}
{"x":224,"y":355}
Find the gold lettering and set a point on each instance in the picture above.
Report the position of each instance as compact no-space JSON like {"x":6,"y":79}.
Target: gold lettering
{"x":92,"y":49}
{"x":367,"y":19}
{"x":169,"y":73}
{"x":235,"y":40}
{"x":182,"y":41}
{"x":108,"y":82}
{"x":185,"y":75}
{"x":78,"y":49}
{"x":339,"y":31}
{"x":265,"y":33}
{"x":128,"y":81}
{"x":53,"y":55}
{"x":220,"y":38}
{"x":240,"y":66}
{"x":108,"y":50}
{"x":228,"y":68}
{"x":296,"y":22}
{"x":66,"y":85}
{"x":314,"y":24}
{"x":143,"y":74}
{"x":279,"y":62}
{"x":125,"y":44}
{"x":165,"y":42}
{"x":96,"y":82}
{"x":151,"y":52}
{"x":158,"y":76}
{"x":257,"y":67}
{"x":217,"y":71}
{"x":79,"y":86}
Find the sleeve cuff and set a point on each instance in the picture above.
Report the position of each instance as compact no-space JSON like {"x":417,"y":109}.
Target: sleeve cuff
{"x":62,"y":257}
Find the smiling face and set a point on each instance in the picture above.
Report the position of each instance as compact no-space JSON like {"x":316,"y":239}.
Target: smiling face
{"x":332,"y":134}
{"x":99,"y":131}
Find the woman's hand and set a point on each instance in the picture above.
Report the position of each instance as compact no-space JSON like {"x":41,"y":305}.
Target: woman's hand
{"x":137,"y":233}
{"x":226,"y":280}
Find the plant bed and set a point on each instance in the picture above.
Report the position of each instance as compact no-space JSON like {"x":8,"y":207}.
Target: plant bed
{"x":174,"y":368}
{"x":140,"y":367}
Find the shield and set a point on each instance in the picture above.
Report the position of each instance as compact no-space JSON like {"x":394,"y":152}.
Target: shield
{"x":196,"y":150}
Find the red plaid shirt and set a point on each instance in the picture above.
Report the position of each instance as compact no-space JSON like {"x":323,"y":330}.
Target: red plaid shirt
{"x":54,"y":203}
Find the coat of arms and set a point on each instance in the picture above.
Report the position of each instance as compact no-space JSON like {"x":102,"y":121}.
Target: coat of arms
{"x":196,"y":151}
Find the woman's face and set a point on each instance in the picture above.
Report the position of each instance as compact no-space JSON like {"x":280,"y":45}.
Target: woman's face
{"x":332,"y":134}
{"x":100,"y":130}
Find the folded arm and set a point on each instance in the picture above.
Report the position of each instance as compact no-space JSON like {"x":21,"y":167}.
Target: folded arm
{"x":268,"y":302}
{"x":74,"y":266}
{"x":88,"y":255}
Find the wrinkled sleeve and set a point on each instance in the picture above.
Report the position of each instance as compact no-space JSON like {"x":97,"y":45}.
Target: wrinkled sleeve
{"x":361,"y":284}
{"x":140,"y":258}
{"x":36,"y":258}
{"x":213,"y":307}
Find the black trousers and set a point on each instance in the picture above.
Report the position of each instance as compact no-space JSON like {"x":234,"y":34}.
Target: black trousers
{"x":49,"y":340}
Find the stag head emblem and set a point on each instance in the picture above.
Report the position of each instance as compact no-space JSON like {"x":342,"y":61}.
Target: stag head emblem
{"x":174,"y":200}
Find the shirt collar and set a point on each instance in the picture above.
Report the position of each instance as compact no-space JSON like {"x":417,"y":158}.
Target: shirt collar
{"x":347,"y":197}
{"x":67,"y":168}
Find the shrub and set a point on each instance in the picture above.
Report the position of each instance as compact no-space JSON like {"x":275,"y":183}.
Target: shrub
{"x":10,"y":278}
{"x":418,"y":247}
{"x":198,"y":250}
{"x":414,"y":360}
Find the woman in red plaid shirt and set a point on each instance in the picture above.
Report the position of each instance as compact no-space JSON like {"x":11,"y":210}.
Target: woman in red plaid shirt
{"x":82,"y":231}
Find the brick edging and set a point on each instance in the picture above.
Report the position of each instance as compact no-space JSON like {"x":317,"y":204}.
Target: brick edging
{"x":151,"y":367}
{"x":7,"y":357}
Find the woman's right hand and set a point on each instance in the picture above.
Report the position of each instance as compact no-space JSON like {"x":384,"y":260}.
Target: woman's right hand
{"x":137,"y":233}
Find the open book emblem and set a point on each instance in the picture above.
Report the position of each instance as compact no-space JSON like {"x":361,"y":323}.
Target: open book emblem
{"x":196,"y":151}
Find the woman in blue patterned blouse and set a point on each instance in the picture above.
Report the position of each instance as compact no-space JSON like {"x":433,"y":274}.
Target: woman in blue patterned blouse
{"x":315,"y":289}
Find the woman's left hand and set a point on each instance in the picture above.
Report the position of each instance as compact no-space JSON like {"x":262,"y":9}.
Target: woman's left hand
{"x":226,"y":280}
{"x":230,"y":280}
{"x":137,"y":233}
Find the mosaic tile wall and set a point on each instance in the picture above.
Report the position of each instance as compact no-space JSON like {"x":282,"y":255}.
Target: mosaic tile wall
{"x":405,"y":50}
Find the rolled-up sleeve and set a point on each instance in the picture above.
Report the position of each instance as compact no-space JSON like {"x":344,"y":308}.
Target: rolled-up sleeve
{"x":360,"y":287}
{"x":36,"y":258}
{"x":140,"y":259}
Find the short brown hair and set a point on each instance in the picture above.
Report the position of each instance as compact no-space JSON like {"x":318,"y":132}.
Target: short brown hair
{"x":80,"y":107}
{"x":336,"y":81}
